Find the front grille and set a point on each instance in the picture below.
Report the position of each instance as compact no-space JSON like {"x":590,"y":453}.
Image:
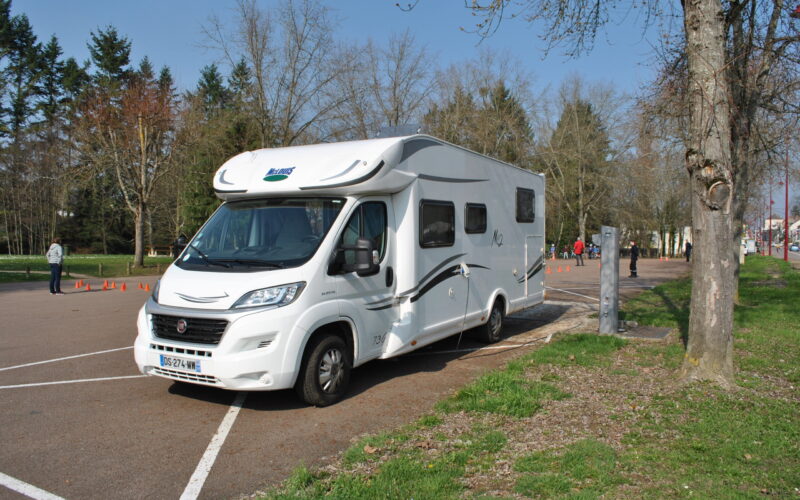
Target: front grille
{"x":191,"y":377}
{"x":198,"y":330}
{"x":181,"y":350}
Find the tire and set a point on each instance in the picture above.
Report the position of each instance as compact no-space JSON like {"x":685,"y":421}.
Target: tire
{"x":492,"y":331}
{"x":325,"y":371}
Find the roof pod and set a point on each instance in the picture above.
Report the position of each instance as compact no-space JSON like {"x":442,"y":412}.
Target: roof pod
{"x":342,"y":168}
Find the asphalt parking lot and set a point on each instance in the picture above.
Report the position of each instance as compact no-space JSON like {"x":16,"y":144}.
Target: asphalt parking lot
{"x":79,"y":421}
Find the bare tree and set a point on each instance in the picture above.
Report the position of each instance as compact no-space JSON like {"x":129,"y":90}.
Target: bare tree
{"x":401,"y":80}
{"x":290,"y":53}
{"x":708,"y":157}
{"x":131,"y":137}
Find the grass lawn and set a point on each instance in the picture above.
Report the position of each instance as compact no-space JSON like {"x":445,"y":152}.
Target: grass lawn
{"x":89,"y":265}
{"x":591,"y":416}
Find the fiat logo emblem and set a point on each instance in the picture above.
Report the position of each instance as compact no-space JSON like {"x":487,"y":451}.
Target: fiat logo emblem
{"x":181,"y":326}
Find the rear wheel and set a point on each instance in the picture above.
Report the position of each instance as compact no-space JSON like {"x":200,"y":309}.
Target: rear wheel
{"x":325,"y":371}
{"x":492,"y":331}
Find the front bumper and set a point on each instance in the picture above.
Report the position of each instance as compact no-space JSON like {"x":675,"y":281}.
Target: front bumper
{"x":249,"y":356}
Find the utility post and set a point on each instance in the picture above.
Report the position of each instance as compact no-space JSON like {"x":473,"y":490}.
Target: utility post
{"x":609,"y":280}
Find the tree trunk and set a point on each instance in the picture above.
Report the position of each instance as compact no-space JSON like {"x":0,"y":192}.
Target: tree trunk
{"x":139,"y":222}
{"x":709,"y":354}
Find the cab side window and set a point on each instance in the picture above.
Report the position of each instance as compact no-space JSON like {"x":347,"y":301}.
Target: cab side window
{"x":368,"y":221}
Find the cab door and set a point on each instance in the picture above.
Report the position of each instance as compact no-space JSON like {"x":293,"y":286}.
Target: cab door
{"x":368,"y":301}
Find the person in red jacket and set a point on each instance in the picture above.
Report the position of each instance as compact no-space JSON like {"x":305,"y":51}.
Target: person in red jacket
{"x":578,"y":249}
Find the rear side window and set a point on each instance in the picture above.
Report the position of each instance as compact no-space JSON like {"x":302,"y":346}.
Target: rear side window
{"x":475,"y":218}
{"x":437,"y":225}
{"x":525,"y":205}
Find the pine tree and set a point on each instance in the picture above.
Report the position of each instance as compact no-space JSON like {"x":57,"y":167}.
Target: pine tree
{"x":111,"y":55}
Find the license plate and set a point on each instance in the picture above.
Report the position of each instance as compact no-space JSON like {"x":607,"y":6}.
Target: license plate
{"x":189,"y":365}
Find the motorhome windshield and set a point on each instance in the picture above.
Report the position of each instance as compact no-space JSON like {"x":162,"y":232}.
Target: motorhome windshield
{"x":257,"y":235}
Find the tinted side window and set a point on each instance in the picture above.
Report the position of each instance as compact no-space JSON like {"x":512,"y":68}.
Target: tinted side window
{"x":437,"y":225}
{"x":525,"y":205}
{"x":475,"y":218}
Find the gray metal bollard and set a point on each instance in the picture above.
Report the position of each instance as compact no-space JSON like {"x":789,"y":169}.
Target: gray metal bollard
{"x":609,"y":280}
{"x":100,"y":269}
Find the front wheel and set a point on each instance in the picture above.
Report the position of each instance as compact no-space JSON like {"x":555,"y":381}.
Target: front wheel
{"x":325,"y":371}
{"x":492,"y":331}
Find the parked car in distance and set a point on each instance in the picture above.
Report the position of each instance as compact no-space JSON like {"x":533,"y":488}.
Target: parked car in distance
{"x":794,"y":247}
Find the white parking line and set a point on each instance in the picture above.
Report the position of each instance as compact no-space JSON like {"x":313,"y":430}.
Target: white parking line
{"x":197,"y":480}
{"x":65,"y":358}
{"x":70,"y":381}
{"x":26,"y":489}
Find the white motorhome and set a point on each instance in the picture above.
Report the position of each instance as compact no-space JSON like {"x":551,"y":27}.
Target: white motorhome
{"x":324,"y":257}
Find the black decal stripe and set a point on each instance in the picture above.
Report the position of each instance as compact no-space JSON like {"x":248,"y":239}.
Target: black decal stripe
{"x":387,"y":299}
{"x":361,"y":179}
{"x":448,"y":179}
{"x":230,"y":191}
{"x":478,"y":266}
{"x":441,"y":265}
{"x":444,"y":275}
{"x":535,"y":268}
{"x":380,"y":308}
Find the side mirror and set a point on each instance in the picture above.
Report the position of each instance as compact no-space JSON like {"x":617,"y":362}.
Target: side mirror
{"x":365,"y":258}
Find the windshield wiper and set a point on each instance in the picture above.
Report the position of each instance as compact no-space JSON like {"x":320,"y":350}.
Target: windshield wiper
{"x":206,"y":258}
{"x":255,"y":263}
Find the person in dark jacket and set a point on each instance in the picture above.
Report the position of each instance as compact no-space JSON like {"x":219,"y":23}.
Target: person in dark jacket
{"x":688,"y":251}
{"x":634,"y":258}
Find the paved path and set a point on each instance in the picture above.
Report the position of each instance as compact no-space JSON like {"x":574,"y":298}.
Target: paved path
{"x":80,"y":422}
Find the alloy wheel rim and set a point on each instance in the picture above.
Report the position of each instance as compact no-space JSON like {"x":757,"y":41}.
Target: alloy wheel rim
{"x":331,"y":369}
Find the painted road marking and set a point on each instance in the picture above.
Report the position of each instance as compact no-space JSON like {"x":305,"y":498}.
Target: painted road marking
{"x":71,"y":381}
{"x":65,"y":358}
{"x":197,"y":480}
{"x":26,"y":489}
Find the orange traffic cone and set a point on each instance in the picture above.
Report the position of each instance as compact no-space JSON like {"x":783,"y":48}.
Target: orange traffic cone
{"x":88,"y":287}
{"x":666,"y":258}
{"x":77,"y":284}
{"x":105,"y":286}
{"x":123,"y":287}
{"x":113,"y":284}
{"x":147,"y":287}
{"x":559,"y":269}
{"x":567,"y":268}
{"x":548,"y":270}
{"x":140,"y":285}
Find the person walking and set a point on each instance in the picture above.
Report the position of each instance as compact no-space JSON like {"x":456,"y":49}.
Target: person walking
{"x":634,"y":258}
{"x":578,"y":249}
{"x":688,"y":251}
{"x":55,"y":257}
{"x":552,"y":251}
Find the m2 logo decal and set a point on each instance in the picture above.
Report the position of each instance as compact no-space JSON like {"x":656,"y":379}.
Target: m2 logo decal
{"x":278,"y":174}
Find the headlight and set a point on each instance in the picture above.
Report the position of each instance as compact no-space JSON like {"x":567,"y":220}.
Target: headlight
{"x":277,"y":296}
{"x":155,"y":291}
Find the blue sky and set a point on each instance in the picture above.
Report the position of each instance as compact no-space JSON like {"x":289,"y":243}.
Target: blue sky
{"x":169,"y":32}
